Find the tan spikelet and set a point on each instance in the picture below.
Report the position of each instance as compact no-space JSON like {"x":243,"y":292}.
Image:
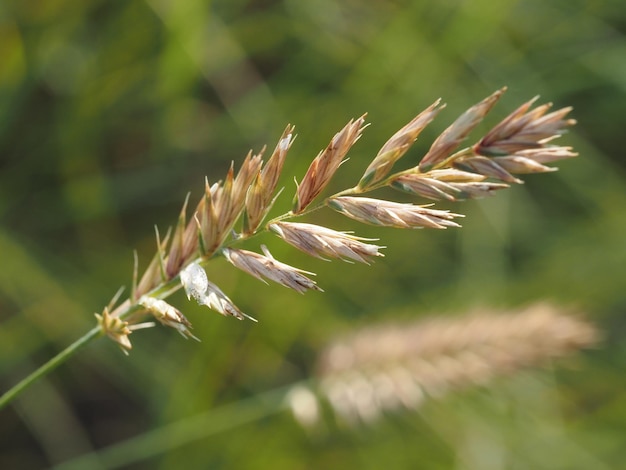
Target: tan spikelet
{"x":487,"y":167}
{"x":429,"y":186}
{"x":153,"y":275}
{"x":322,"y":242}
{"x":167,"y":315}
{"x":117,"y":329}
{"x":524,"y":129}
{"x":397,"y":146}
{"x":182,"y":246}
{"x":224,"y":203}
{"x":261,"y":194}
{"x":326,"y":163}
{"x":266,"y":267}
{"x":393,"y":214}
{"x":450,"y":139}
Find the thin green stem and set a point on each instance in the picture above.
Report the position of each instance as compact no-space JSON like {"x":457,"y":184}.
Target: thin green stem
{"x":49,"y":366}
{"x":177,"y":434}
{"x":125,"y":309}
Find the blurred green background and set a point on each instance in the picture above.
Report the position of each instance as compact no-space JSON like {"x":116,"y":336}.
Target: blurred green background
{"x":112,"y":110}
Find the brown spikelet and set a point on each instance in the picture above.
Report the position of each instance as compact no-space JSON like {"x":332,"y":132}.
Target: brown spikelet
{"x":533,"y":160}
{"x":207,"y":220}
{"x":266,"y":267}
{"x":432,"y":186}
{"x":167,"y":315}
{"x":485,"y":166}
{"x":524,"y":129}
{"x":397,"y":146}
{"x":387,"y":367}
{"x":322,"y":242}
{"x":450,"y":139}
{"x":153,"y":275}
{"x":261,"y":194}
{"x":224,"y":203}
{"x":231,"y":200}
{"x":182,"y":246}
{"x":393,"y":214}
{"x":326,"y":163}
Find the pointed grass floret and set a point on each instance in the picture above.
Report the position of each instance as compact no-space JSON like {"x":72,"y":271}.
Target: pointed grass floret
{"x":266,"y":267}
{"x":393,"y":214}
{"x":322,"y":242}
{"x":260,"y":197}
{"x":450,"y":139}
{"x":167,"y":315}
{"x":326,"y":163}
{"x":431,"y":187}
{"x":524,"y":129}
{"x":398,"y":145}
{"x":223,"y":203}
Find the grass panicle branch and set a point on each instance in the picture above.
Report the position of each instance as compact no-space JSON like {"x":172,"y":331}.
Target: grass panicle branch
{"x":234,"y":209}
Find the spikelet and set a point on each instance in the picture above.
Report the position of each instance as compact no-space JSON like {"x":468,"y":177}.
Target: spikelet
{"x":524,"y":129}
{"x":432,"y":186}
{"x":393,"y":214}
{"x":167,"y":315}
{"x":266,"y":267}
{"x":397,"y":146}
{"x":261,"y":194}
{"x":118,"y":330}
{"x":458,"y":131}
{"x":326,"y":163}
{"x":322,"y":242}
{"x":224,"y":203}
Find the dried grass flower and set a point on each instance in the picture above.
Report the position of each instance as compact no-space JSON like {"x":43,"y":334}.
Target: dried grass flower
{"x":266,"y":267}
{"x":326,"y":164}
{"x":393,"y":214}
{"x":234,"y":210}
{"x":322,"y":242}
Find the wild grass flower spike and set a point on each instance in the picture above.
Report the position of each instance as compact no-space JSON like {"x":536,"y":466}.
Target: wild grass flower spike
{"x":388,"y":367}
{"x":233,"y":210}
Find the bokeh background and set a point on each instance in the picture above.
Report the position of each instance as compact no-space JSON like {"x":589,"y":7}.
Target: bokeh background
{"x":112,"y":110}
